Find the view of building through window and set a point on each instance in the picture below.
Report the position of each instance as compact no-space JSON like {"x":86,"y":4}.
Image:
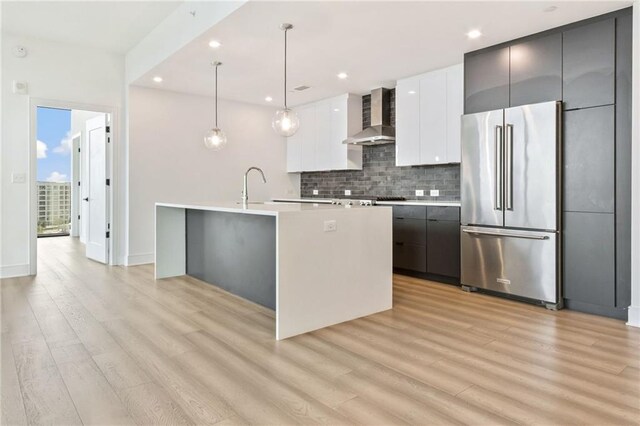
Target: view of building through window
{"x":54,"y":171}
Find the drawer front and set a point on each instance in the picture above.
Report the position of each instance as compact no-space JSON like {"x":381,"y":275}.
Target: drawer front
{"x":410,"y":231}
{"x":443,"y":213}
{"x":410,"y":212}
{"x":410,"y":256}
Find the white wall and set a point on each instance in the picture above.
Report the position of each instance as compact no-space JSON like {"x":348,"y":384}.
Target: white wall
{"x":56,"y":72}
{"x":169,"y":162}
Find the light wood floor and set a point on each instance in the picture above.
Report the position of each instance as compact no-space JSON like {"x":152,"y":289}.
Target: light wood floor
{"x":86,"y":343}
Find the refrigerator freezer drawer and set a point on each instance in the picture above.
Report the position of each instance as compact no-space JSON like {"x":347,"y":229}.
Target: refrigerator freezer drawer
{"x":520,"y":263}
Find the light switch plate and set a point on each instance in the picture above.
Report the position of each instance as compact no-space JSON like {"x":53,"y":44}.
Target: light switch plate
{"x":347,"y":192}
{"x":18,"y":177}
{"x":20,"y":87}
{"x":315,"y":192}
{"x":434,"y":193}
{"x":419,"y":192}
{"x":330,"y":226}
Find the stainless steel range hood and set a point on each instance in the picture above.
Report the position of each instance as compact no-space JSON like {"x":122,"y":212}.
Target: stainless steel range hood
{"x":380,"y":131}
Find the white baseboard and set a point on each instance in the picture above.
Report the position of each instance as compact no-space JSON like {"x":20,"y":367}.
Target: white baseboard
{"x":140,"y":259}
{"x":634,"y":316}
{"x":10,"y":271}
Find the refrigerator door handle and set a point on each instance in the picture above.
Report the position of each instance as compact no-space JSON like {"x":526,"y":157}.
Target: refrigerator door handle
{"x":498,"y":139}
{"x":504,"y":234}
{"x":508,"y":155}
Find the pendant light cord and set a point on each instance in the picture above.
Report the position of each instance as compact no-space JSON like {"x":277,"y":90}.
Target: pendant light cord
{"x":285,"y":68}
{"x":216,"y":92}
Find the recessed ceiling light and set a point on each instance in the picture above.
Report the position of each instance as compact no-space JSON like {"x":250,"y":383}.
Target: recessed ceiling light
{"x":474,"y":34}
{"x":157,"y":79}
{"x":268,"y":99}
{"x":342,"y":75}
{"x":412,"y":92}
{"x":215,"y":44}
{"x":336,"y":109}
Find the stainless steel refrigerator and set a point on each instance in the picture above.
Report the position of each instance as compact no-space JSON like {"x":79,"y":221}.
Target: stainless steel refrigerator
{"x":510,"y":202}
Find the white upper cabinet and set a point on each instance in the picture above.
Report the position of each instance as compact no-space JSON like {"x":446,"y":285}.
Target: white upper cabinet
{"x":317,"y":145}
{"x":428,"y":110}
{"x":408,"y":121}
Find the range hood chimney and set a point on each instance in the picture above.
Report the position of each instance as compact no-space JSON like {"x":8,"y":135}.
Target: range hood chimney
{"x":380,"y":131}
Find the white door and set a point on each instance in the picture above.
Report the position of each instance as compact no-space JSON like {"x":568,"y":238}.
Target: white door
{"x":96,"y":198}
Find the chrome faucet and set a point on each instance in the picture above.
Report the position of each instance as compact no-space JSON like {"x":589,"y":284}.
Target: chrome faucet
{"x":245,"y":193}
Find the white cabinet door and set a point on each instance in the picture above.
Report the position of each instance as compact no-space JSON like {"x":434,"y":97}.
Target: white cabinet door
{"x":294,"y":153}
{"x":433,"y":117}
{"x":324,"y":125}
{"x":339,"y":132}
{"x":408,"y":122}
{"x":455,"y":104}
{"x":308,"y":137}
{"x":325,"y":158}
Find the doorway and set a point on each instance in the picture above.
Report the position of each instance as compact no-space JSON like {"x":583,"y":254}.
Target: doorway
{"x":71,"y":177}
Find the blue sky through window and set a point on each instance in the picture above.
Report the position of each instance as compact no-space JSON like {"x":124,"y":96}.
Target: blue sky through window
{"x":54,"y":144}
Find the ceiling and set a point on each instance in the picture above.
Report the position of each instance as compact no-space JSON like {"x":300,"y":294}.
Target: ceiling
{"x":115,"y":26}
{"x":376,"y":43}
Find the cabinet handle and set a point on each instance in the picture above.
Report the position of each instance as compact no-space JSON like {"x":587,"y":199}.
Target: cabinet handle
{"x":399,"y":244}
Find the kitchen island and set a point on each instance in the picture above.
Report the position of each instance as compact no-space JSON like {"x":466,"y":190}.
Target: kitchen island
{"x":314,"y":264}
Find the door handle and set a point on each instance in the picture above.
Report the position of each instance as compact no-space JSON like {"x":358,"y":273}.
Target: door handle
{"x":509,"y":166}
{"x":85,"y":199}
{"x":498,"y":136}
{"x":500,"y":234}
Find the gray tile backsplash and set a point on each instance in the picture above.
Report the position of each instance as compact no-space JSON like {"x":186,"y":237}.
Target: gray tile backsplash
{"x":380,"y":176}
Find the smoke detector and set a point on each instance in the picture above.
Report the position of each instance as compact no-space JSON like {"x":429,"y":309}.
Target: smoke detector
{"x":19,"y":51}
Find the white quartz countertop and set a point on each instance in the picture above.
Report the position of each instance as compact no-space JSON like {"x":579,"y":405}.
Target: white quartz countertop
{"x":380,"y":203}
{"x":267,"y":208}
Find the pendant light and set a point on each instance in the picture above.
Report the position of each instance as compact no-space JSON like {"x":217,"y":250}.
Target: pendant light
{"x":286,"y":121}
{"x":215,"y":138}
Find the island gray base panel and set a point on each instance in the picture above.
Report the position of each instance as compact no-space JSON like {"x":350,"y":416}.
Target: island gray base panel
{"x":235,"y":252}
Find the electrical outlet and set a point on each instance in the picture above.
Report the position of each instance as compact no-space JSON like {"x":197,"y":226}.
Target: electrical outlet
{"x":347,"y":192}
{"x":434,"y":193}
{"x":330,"y":226}
{"x":419,"y":192}
{"x":18,"y":177}
{"x":315,"y":192}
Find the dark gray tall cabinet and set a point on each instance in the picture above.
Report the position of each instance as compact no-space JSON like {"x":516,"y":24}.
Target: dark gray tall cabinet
{"x":587,"y":65}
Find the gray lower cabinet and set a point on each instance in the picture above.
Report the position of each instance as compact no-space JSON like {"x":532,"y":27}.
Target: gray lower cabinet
{"x":536,"y":70}
{"x":589,"y":64}
{"x":589,"y":258}
{"x":443,"y":248}
{"x":486,"y":81}
{"x":426,"y":240}
{"x":412,"y":257}
{"x":589,"y":162}
{"x":410,"y":238}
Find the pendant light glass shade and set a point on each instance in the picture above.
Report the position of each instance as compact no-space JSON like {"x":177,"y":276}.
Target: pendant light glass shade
{"x":215,"y":139}
{"x":285,"y":122}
